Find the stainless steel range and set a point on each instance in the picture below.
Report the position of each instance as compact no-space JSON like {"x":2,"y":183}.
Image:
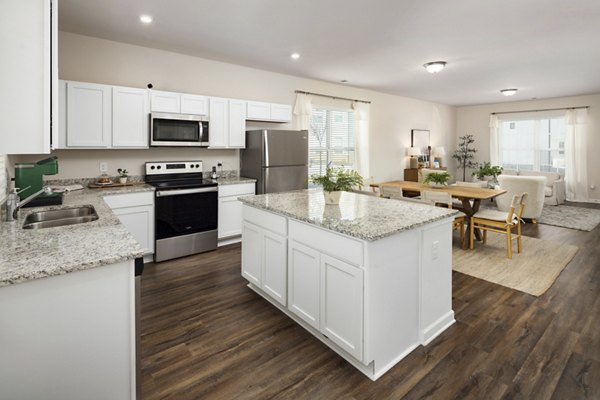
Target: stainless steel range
{"x":186,"y":209}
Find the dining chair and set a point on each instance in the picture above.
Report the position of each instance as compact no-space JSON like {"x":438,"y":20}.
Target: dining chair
{"x":391,"y":192}
{"x":440,"y":197}
{"x":501,"y":222}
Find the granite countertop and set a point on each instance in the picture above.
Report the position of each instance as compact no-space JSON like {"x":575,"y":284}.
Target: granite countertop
{"x":27,"y":254}
{"x":234,"y":180}
{"x":361,"y":216}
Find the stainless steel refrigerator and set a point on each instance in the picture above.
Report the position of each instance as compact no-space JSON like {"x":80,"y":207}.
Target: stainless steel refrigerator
{"x":277,"y":159}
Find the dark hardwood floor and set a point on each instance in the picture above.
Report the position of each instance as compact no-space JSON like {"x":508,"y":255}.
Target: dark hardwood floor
{"x":205,"y":335}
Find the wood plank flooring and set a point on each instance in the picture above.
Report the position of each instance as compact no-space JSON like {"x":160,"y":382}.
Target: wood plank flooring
{"x":205,"y":335}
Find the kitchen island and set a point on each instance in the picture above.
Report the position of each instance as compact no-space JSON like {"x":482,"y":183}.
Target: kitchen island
{"x":67,"y":305}
{"x":370,"y":277}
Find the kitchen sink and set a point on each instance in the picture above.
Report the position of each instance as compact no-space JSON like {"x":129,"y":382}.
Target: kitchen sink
{"x":61,"y":217}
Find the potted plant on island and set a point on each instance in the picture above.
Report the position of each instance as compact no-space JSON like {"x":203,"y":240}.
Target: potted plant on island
{"x":437,"y":179}
{"x":335,"y":181}
{"x":123,"y":174}
{"x":488,"y":172}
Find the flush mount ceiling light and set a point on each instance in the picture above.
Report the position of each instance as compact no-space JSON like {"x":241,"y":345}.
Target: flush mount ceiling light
{"x":295,"y":56}
{"x":145,"y":18}
{"x":435,"y":66}
{"x":508,"y":92}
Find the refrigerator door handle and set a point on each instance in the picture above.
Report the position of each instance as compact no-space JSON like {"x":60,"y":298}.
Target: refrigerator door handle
{"x":266,"y":136}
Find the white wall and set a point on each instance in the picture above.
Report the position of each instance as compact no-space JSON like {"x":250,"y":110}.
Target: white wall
{"x":95,"y":60}
{"x":475,"y":120}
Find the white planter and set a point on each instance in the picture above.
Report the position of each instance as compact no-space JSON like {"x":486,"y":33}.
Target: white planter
{"x":123,"y":180}
{"x":332,"y":197}
{"x":436,"y":185}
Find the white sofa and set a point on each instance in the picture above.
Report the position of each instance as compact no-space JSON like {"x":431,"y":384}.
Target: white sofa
{"x":555,"y":190}
{"x":533,"y":185}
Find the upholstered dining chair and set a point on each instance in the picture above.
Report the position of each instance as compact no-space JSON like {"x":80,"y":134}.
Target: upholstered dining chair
{"x":391,"y":192}
{"x":445,"y":199}
{"x":501,"y":222}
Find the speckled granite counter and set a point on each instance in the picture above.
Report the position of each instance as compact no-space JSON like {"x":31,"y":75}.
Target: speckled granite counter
{"x":32,"y":254}
{"x":234,"y":180}
{"x":364,"y":217}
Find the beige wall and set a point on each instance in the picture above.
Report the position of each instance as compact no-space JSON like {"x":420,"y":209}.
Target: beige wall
{"x":475,"y":120}
{"x":95,"y":60}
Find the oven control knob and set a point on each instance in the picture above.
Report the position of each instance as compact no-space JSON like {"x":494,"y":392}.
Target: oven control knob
{"x":159,"y":167}
{"x":197,"y":165}
{"x":191,"y":165}
{"x":152,"y":167}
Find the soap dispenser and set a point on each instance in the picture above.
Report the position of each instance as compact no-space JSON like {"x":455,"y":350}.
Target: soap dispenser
{"x":213,"y":174}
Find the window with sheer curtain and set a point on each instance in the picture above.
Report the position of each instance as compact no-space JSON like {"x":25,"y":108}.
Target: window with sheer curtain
{"x":533,"y":144}
{"x":332,"y":139}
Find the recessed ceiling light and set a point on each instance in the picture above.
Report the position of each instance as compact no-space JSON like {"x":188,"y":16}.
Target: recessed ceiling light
{"x":508,"y":92}
{"x":295,"y":56}
{"x":145,"y":18}
{"x":435,"y":66}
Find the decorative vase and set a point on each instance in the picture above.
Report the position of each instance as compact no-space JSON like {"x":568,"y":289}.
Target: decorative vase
{"x":332,"y":197}
{"x":123,"y":180}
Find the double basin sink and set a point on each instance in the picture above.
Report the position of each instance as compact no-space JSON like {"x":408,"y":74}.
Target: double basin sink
{"x":61,"y":217}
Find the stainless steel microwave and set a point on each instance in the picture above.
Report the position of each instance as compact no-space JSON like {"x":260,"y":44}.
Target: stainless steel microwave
{"x":182,"y":130}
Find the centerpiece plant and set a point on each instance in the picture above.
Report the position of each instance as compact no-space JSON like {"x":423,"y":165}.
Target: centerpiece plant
{"x":437,"y":179}
{"x":335,"y":181}
{"x":488,"y":170}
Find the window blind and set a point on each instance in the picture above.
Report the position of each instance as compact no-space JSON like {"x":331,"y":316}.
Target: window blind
{"x":331,"y":140}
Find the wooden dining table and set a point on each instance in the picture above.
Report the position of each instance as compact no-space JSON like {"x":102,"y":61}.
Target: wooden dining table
{"x":469,"y":196}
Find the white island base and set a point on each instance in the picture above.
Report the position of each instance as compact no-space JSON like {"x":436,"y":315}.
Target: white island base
{"x":372,"y":302}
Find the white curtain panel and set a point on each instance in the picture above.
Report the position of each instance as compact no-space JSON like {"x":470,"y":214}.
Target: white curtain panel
{"x":302,"y":111}
{"x":495,"y":156}
{"x":575,"y":155}
{"x":361,"y":118}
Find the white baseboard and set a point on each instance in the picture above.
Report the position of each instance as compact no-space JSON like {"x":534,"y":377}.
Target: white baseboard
{"x":439,"y":326}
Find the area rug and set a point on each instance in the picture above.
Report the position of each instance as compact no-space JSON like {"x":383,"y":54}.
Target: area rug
{"x":533,"y":271}
{"x":583,"y":219}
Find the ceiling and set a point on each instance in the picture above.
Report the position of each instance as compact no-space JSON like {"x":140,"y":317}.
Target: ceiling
{"x":545,"y":48}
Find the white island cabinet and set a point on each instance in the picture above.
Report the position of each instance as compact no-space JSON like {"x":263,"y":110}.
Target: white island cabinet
{"x":371,"y":277}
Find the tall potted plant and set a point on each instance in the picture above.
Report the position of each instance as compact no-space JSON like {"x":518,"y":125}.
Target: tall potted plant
{"x":335,"y":181}
{"x":465,"y":155}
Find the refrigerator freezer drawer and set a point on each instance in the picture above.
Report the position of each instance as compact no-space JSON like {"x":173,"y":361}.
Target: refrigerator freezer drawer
{"x":283,"y":179}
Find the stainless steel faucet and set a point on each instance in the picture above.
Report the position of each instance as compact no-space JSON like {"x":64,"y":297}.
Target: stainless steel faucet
{"x":13,"y":203}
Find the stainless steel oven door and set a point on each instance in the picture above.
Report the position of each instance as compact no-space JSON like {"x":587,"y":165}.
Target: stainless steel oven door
{"x":186,"y":221}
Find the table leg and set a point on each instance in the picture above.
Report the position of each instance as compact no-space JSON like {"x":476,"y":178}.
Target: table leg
{"x":470,"y":210}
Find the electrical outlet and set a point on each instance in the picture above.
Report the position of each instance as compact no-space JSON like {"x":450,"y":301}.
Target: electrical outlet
{"x":219,"y":163}
{"x":103,"y":167}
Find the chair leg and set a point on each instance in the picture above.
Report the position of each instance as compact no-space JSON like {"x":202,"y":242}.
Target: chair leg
{"x":462,"y":235}
{"x":484,"y":236}
{"x":471,"y":233}
{"x":534,"y":221}
{"x":519,"y":245}
{"x":508,"y":243}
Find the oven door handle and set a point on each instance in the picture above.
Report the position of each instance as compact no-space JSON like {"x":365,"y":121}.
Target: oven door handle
{"x":177,"y":192}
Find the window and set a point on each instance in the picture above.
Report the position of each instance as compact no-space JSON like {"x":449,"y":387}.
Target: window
{"x":331,"y":140}
{"x":534,"y":144}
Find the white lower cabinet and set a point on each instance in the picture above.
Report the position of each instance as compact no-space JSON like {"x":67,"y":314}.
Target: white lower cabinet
{"x":327,"y":293}
{"x":304,"y":276}
{"x":136,"y":212}
{"x":264,"y":263}
{"x":230,"y":209}
{"x":342,"y":304}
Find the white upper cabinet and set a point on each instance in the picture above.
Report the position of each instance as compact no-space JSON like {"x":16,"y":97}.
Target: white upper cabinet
{"x":193,"y":104}
{"x":102,"y":116}
{"x":260,"y":111}
{"x":88,"y":115}
{"x":218,"y":131}
{"x":281,"y":112}
{"x":178,"y":103}
{"x":29,"y":77}
{"x":129,"y":117}
{"x":166,"y":102}
{"x":237,"y":124}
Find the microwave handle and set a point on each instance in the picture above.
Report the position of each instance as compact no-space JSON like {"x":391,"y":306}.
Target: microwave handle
{"x":201,"y":130}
